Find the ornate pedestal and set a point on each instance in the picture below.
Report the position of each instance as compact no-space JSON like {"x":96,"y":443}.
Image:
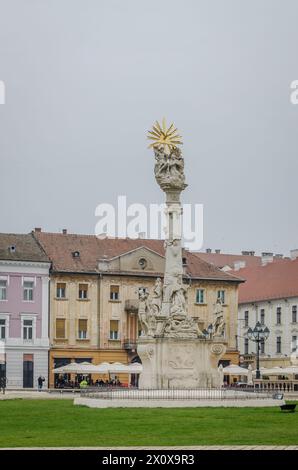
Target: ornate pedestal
{"x":179,"y":363}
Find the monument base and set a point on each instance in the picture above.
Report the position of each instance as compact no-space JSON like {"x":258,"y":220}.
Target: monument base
{"x":179,"y":362}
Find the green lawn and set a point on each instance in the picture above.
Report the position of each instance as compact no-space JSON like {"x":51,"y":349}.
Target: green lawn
{"x":26,"y":423}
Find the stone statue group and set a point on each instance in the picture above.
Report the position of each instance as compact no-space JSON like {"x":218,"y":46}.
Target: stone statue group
{"x":178,"y":323}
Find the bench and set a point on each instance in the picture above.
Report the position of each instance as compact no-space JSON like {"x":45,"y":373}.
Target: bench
{"x":289,"y":407}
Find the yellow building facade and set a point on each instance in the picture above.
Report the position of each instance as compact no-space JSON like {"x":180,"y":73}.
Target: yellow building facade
{"x":94,"y":297}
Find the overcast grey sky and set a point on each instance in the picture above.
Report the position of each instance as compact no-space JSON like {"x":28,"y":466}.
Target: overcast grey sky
{"x":86,"y":79}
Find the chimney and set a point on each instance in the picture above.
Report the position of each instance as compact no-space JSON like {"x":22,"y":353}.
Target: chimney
{"x":64,"y":231}
{"x":208,"y":250}
{"x":217,"y":252}
{"x":294,"y":254}
{"x":37,"y":229}
{"x":278,"y":256}
{"x":248,"y":253}
{"x":267,"y":257}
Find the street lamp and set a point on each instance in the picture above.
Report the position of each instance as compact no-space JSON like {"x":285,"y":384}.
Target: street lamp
{"x":258,"y":334}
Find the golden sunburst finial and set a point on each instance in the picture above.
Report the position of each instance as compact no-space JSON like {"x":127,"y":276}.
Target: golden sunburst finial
{"x":168,"y":138}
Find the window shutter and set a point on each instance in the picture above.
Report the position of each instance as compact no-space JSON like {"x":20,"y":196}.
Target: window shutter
{"x":114,"y":325}
{"x":60,"y":328}
{"x":82,"y":325}
{"x":61,"y":285}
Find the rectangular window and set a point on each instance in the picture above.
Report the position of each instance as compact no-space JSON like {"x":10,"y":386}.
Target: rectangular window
{"x":82,"y":329}
{"x":114,"y":292}
{"x":246,"y":318}
{"x":200,"y":296}
{"x":246,"y":346}
{"x":278,"y":344}
{"x":294,"y":343}
{"x":221,"y":295}
{"x":28,"y":330}
{"x":294,"y":314}
{"x":114,"y":333}
{"x":262,"y":317}
{"x":3,"y":290}
{"x":262,"y":346}
{"x":83,"y":291}
{"x":28,"y":291}
{"x":278,"y":315}
{"x":60,"y":328}
{"x":61,"y":290}
{"x":2,"y":328}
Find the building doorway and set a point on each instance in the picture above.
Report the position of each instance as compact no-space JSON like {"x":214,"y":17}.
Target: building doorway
{"x":28,"y":371}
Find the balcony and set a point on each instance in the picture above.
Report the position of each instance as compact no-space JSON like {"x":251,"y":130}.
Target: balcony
{"x":248,"y":358}
{"x":129,"y":343}
{"x":131,"y":305}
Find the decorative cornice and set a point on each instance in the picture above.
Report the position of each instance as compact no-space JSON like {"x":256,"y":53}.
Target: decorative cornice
{"x":24,"y":263}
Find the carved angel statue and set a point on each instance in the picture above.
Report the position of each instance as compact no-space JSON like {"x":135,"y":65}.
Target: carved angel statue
{"x":157,"y":296}
{"x":219,"y":323}
{"x":143,"y":311}
{"x":146,"y":314}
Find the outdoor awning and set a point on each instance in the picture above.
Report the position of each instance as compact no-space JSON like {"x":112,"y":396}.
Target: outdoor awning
{"x":79,"y":368}
{"x":233,"y":369}
{"x":291,"y":370}
{"x":273,"y":371}
{"x":278,"y":370}
{"x":103,"y":368}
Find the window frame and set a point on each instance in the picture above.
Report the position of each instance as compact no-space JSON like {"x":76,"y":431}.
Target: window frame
{"x":294,"y":313}
{"x":114,"y":295}
{"x":246,"y":318}
{"x":83,"y":290}
{"x":262,"y":316}
{"x":294,"y":348}
{"x":200,"y":296}
{"x":4,"y":317}
{"x":28,"y":292}
{"x":59,"y":289}
{"x":221,"y":294}
{"x":82,"y":337}
{"x":32,"y":318}
{"x":3,"y":289}
{"x":278,"y":315}
{"x":64,"y":324}
{"x":278,"y":344}
{"x":112,"y":332}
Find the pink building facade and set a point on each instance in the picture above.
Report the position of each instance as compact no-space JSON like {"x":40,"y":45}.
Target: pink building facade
{"x":24,"y":311}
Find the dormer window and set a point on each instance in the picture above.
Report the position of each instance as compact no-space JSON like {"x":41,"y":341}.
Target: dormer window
{"x":12,"y":248}
{"x":75,"y":254}
{"x":184,"y":261}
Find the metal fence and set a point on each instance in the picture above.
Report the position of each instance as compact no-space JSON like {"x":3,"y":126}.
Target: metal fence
{"x":174,"y":394}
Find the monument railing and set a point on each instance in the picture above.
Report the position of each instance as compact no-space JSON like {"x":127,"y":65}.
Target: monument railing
{"x":121,"y":393}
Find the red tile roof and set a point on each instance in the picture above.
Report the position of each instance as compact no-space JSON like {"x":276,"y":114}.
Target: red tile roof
{"x":26,"y":248}
{"x":221,"y":259}
{"x":59,"y":248}
{"x":275,"y":280}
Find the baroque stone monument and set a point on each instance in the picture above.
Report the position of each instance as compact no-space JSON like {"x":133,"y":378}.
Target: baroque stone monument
{"x":174,"y":352}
